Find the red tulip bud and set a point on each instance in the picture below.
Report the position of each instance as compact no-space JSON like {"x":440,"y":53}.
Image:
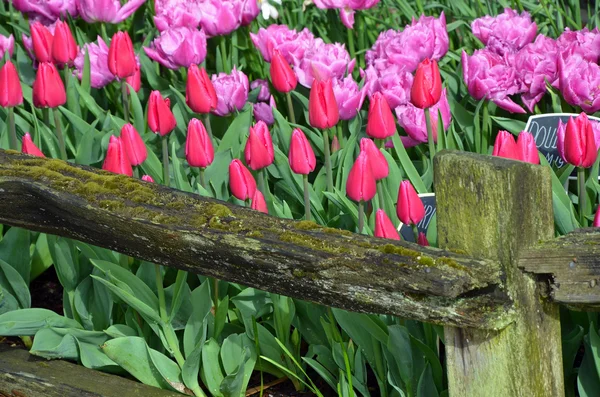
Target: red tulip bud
{"x":133,"y":144}
{"x":322,"y":108}
{"x":121,"y":58}
{"x":259,"y":203}
{"x":301,"y":156}
{"x":259,"y":147}
{"x":526,"y":148}
{"x":361,"y":182}
{"x":576,"y":142}
{"x":380,"y":122}
{"x":116,"y":159}
{"x":597,"y":218}
{"x":241,"y":181}
{"x":384,"y":228}
{"x":147,"y":178}
{"x":64,"y":47}
{"x":10,"y":86}
{"x":200,"y":94}
{"x":160,"y":117}
{"x":135,"y":80}
{"x":28,"y":147}
{"x":379,"y":164}
{"x":335,"y":144}
{"x":282,"y":76}
{"x":422,"y":240}
{"x":199,"y":151}
{"x":42,"y":42}
{"x":427,"y":85}
{"x":48,"y":88}
{"x":410,"y":208}
{"x":505,"y":146}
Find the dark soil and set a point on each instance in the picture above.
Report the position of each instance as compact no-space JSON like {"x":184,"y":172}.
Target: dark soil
{"x":47,"y":292}
{"x":284,"y":388}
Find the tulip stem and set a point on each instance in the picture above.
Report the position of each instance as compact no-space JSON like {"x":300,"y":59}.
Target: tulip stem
{"x":223,"y":47}
{"x":328,"y":171}
{"x":12,"y":128}
{"x":485,"y":131}
{"x":429,"y":135}
{"x":201,"y":175}
{"x":380,"y":194}
{"x":124,"y":92}
{"x":361,"y":37}
{"x":361,"y":216}
{"x":415,"y":232}
{"x":216,"y":294}
{"x":306,"y":198}
{"x":162,"y":306}
{"x":207,"y":125}
{"x":582,"y":195}
{"x":290,"y":107}
{"x":261,"y":181}
{"x":59,"y":135}
{"x":165,"y":154}
{"x":351,"y":43}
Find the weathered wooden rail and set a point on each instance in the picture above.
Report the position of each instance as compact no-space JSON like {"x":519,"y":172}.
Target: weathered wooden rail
{"x":496,"y":285}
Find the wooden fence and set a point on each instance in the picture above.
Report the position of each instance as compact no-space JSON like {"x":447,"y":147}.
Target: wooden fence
{"x":495,"y":284}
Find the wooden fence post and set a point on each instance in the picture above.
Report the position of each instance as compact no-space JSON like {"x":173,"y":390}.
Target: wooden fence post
{"x":493,"y":208}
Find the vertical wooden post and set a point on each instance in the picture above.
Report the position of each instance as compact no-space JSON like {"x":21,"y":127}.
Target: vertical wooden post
{"x":492,"y":208}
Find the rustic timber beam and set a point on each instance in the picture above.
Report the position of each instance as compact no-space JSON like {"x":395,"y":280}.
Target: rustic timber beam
{"x":295,"y":258}
{"x":571,"y":266}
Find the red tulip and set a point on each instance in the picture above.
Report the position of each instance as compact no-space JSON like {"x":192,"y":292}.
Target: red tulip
{"x":199,"y":151}
{"x":576,"y":143}
{"x":410,"y":208}
{"x":147,"y":178}
{"x":505,"y":146}
{"x":241,"y":181}
{"x":301,"y":156}
{"x":322,"y":108}
{"x":133,"y":144}
{"x":427,"y":85}
{"x":160,"y":117}
{"x":259,"y":147}
{"x":64,"y":47}
{"x":48,"y":88}
{"x":422,"y":240}
{"x":135,"y":80}
{"x":361,"y":182}
{"x":200,"y":94}
{"x":380,"y":120}
{"x":121,"y":58}
{"x":526,"y":148}
{"x":28,"y":147}
{"x":597,"y":218}
{"x":116,"y":159}
{"x":259,"y":203}
{"x":42,"y":42}
{"x":10,"y":86}
{"x":282,"y":76}
{"x":379,"y":164}
{"x":384,"y":228}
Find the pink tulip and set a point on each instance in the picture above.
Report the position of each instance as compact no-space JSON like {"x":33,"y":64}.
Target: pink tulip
{"x":505,"y":33}
{"x":579,"y":82}
{"x":384,"y":228}
{"x":133,"y":144}
{"x":584,"y":42}
{"x":199,"y":150}
{"x":241,"y":181}
{"x":526,"y":149}
{"x":380,"y":120}
{"x":28,"y":147}
{"x":7,"y":44}
{"x":171,"y":14}
{"x":221,"y":17}
{"x":324,"y":62}
{"x":263,"y":94}
{"x":412,"y":119}
{"x":232,"y":91}
{"x":394,"y":83}
{"x":379,"y":164}
{"x":505,"y":146}
{"x":259,"y":203}
{"x":422,"y":240}
{"x":597,"y":218}
{"x":291,"y":44}
{"x":361,"y":181}
{"x":178,"y":47}
{"x":99,"y":73}
{"x":259,"y":147}
{"x":147,"y":178}
{"x":301,"y":156}
{"x":116,"y":158}
{"x":576,"y":141}
{"x":410,"y":208}
{"x":348,"y":97}
{"x":110,"y":11}
{"x":263,"y":111}
{"x":46,"y":11}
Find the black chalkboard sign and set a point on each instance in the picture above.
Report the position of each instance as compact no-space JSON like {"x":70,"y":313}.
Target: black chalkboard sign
{"x":544,"y":128}
{"x":406,"y":231}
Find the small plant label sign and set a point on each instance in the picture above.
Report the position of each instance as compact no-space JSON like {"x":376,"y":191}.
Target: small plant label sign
{"x":406,"y":231}
{"x":544,"y":128}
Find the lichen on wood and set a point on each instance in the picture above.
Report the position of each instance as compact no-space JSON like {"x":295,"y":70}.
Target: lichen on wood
{"x":214,"y":238}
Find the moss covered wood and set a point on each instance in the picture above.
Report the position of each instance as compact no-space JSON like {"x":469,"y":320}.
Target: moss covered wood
{"x":570,"y":265}
{"x":495,"y":208}
{"x":294,"y":258}
{"x":23,"y":375}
